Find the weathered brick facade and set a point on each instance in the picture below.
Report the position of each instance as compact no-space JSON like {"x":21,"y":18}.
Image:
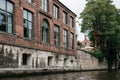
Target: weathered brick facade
{"x":17,"y":38}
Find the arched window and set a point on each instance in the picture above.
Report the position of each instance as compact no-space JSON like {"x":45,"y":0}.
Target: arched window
{"x":45,"y":31}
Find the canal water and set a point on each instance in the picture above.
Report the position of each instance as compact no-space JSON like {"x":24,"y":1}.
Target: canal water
{"x":94,"y":75}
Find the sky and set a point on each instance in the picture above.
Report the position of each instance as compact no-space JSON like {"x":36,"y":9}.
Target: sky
{"x":77,"y":6}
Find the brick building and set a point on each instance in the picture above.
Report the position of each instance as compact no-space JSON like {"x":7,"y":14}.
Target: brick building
{"x":37,"y":34}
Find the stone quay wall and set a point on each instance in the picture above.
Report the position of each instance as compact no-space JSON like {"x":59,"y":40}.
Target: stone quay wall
{"x":14,"y":59}
{"x":87,"y":62}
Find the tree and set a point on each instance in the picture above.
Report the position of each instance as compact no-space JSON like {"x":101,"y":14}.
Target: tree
{"x":101,"y":21}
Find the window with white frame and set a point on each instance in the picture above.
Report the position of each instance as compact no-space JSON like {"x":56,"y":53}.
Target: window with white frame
{"x":71,"y":40}
{"x":71,"y":22}
{"x":45,"y":5}
{"x":45,"y":31}
{"x":56,"y":35}
{"x":56,"y":12}
{"x":28,"y":24}
{"x":64,"y":17}
{"x":65,"y":38}
{"x":6,"y":16}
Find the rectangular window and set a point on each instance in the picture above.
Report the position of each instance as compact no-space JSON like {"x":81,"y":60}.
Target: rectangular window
{"x":45,"y":5}
{"x":6,"y":16}
{"x":65,"y":38}
{"x":64,"y":17}
{"x":28,"y":24}
{"x":56,"y":36}
{"x":30,"y":1}
{"x":56,"y":12}
{"x":71,"y":22}
{"x":71,"y":40}
{"x":26,"y":59}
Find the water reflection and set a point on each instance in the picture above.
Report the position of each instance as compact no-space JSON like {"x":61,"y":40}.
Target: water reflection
{"x":108,"y":76}
{"x":74,"y":76}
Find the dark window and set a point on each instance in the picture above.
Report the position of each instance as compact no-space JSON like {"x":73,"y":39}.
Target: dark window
{"x":30,"y":1}
{"x":71,"y":22}
{"x":65,"y":38}
{"x":45,"y":5}
{"x":56,"y":36}
{"x":56,"y":12}
{"x":71,"y":40}
{"x":28,"y":24}
{"x":45,"y":31}
{"x":50,"y":60}
{"x":26,"y":59}
{"x":64,"y":17}
{"x":6,"y":16}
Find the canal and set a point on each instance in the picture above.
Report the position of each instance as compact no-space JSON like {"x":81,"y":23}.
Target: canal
{"x":94,"y":75}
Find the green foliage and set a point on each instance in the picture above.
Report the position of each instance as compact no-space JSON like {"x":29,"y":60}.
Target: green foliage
{"x":101,"y":21}
{"x":98,"y":54}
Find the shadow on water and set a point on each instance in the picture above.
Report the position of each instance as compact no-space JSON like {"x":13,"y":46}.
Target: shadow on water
{"x":93,"y":75}
{"x":108,"y":75}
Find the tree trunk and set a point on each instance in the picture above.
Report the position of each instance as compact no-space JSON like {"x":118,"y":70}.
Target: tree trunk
{"x":110,"y":63}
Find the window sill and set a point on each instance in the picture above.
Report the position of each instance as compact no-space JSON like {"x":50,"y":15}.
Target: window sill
{"x":45,"y":43}
{"x":31,"y":4}
{"x":56,"y":18}
{"x":57,"y":46}
{"x":25,"y":38}
{"x":65,"y":24}
{"x":45,"y":13}
{"x":10,"y":34}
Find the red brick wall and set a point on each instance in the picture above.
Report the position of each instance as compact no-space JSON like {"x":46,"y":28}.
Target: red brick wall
{"x":18,"y":39}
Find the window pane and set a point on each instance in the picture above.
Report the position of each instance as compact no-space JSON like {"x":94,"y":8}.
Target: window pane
{"x":56,"y":12}
{"x":71,"y":22}
{"x":42,"y":4}
{"x":25,"y":23}
{"x":65,"y":38}
{"x":44,"y":36}
{"x":2,"y":20}
{"x":25,"y":14}
{"x":30,"y":34}
{"x":30,"y":25}
{"x":56,"y":29}
{"x":45,"y":5}
{"x":29,"y":16}
{"x":9,"y":7}
{"x":65,"y":17}
{"x":71,"y":40}
{"x":30,"y":1}
{"x":45,"y":31}
{"x":9,"y":18}
{"x":56,"y":36}
{"x":2,"y":4}
{"x":45,"y":24}
{"x":9,"y":28}
{"x":9,"y":23}
{"x":25,"y":32}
